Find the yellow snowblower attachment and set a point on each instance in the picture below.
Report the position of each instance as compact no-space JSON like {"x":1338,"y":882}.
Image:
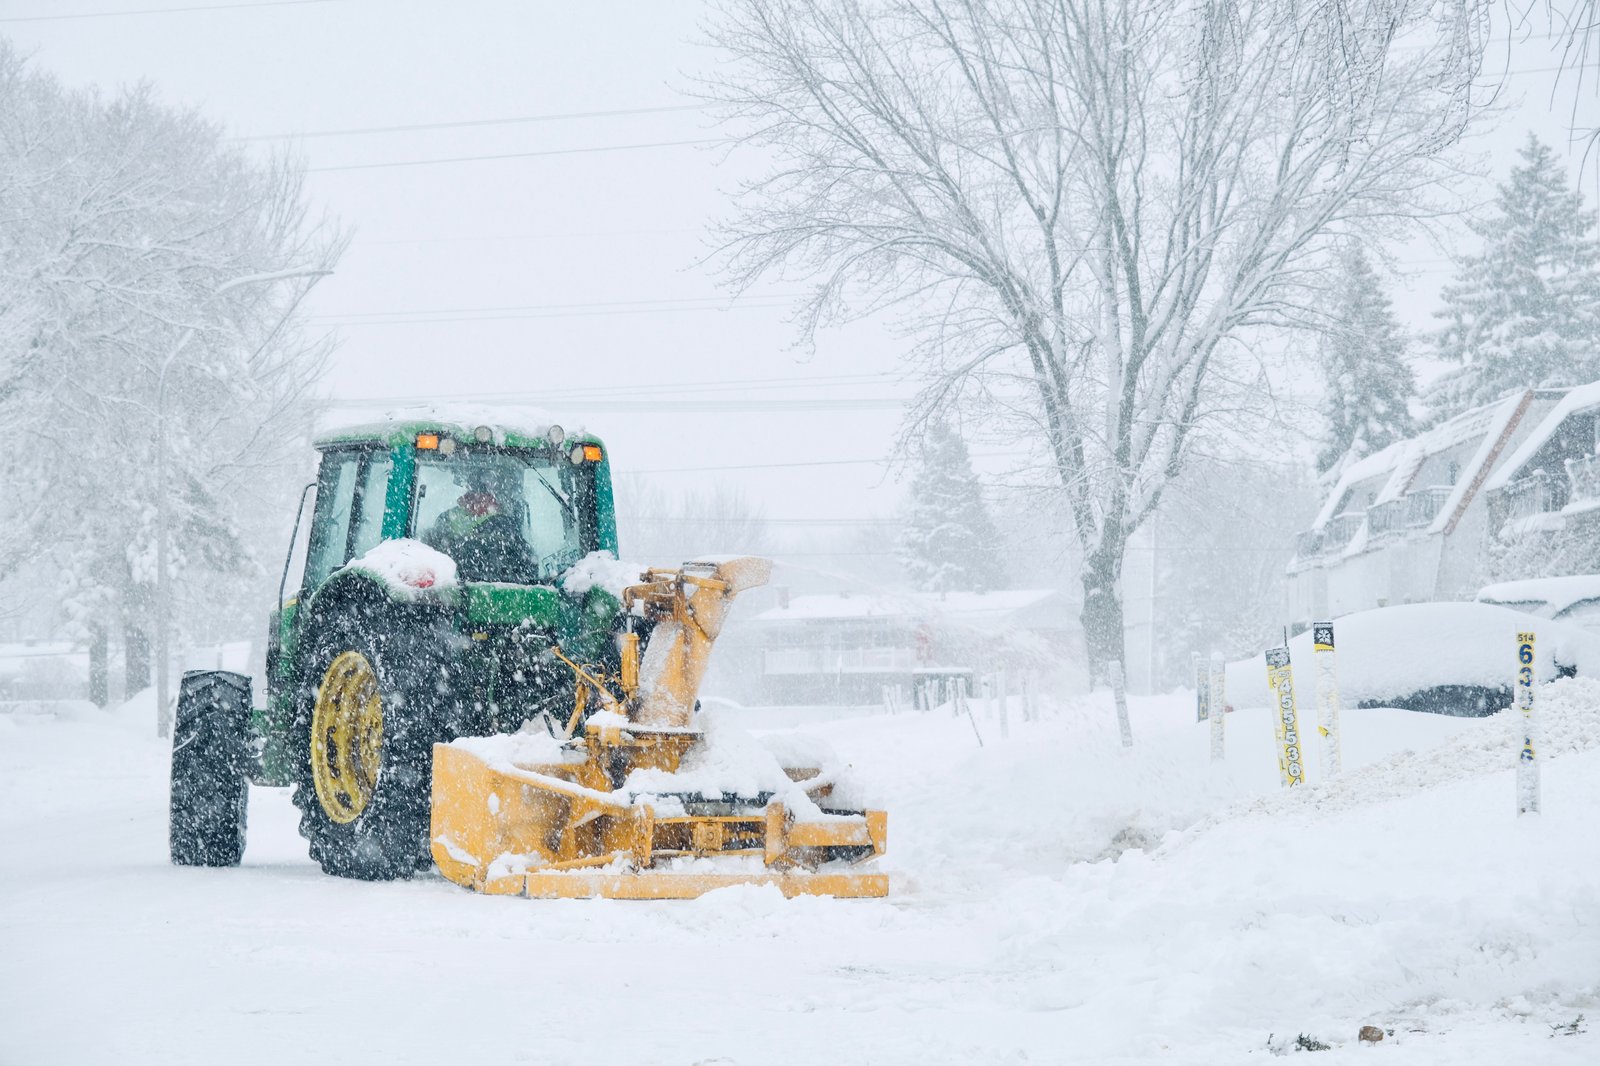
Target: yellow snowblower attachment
{"x":615,"y":812}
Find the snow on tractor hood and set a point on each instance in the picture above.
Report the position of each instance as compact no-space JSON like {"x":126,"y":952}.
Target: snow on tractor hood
{"x":602,"y":570}
{"x":1392,"y":652}
{"x":408,"y":569}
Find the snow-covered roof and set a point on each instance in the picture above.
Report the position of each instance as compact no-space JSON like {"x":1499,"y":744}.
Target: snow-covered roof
{"x":506,"y":423}
{"x":1494,"y":424}
{"x":974,"y":608}
{"x":1579,"y":400}
{"x":1378,"y":463}
{"x":1489,"y":424}
{"x":1552,"y":595}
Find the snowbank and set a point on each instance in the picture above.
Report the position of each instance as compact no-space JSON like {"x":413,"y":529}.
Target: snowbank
{"x":1392,"y":652}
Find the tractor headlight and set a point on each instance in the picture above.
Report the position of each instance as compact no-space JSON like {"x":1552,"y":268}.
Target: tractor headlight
{"x":483,"y":434}
{"x":576,"y":455}
{"x":555,"y":435}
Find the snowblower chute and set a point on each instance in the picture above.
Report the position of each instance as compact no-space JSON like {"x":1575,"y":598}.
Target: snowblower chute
{"x":620,"y":806}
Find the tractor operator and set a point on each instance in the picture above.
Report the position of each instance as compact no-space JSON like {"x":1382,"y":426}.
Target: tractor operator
{"x":481,"y":534}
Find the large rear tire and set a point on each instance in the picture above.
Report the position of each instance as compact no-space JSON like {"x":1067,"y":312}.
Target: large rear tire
{"x":210,"y":769}
{"x":375,"y":700}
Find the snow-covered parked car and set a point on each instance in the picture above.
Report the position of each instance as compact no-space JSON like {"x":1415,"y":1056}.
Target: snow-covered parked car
{"x":1574,"y":599}
{"x":1446,"y":658}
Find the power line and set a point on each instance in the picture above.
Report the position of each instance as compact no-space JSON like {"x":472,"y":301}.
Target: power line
{"x":581,"y":306}
{"x":758,"y":519}
{"x":672,"y":407}
{"x":753,"y":466}
{"x":575,"y":151}
{"x":784,"y":466}
{"x":742,"y":306}
{"x":359,"y":131}
{"x":516,"y":155}
{"x":164,"y":10}
{"x":552,"y":236}
{"x":641,"y":388}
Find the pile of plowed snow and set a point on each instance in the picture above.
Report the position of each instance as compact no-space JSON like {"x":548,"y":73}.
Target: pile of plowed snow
{"x":1568,"y":723}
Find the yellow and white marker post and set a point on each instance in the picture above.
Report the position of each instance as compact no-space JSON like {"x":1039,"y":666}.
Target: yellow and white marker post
{"x":1219,"y":694}
{"x":1327,"y":696}
{"x":1528,"y":761}
{"x":1285,"y":719}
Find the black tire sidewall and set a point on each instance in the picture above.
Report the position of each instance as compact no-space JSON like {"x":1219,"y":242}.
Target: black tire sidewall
{"x":406,"y":647}
{"x":210,"y":789}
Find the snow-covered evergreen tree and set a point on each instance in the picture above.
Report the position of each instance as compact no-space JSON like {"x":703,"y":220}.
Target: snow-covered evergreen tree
{"x":949,"y":541}
{"x":1526,"y":310}
{"x":1367,"y":382}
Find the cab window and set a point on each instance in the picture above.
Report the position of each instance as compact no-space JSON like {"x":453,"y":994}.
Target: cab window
{"x":502,"y":515}
{"x":369,"y":504}
{"x":330,"y":522}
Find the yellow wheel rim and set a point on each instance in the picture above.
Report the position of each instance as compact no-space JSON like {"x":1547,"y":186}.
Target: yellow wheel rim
{"x":346,"y":737}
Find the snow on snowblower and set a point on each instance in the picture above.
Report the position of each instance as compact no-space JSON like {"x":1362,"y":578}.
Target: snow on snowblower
{"x":466,"y":677}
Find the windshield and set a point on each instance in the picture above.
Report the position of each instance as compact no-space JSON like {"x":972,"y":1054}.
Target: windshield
{"x":510,"y":516}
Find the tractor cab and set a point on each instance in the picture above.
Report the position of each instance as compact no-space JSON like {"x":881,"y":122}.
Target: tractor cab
{"x":508,"y":507}
{"x":513,"y":508}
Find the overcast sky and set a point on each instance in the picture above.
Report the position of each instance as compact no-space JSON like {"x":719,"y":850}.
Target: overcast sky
{"x":552,"y":276}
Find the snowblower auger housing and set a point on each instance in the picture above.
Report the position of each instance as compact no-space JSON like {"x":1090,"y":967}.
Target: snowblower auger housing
{"x":575,"y":827}
{"x":454,"y":586}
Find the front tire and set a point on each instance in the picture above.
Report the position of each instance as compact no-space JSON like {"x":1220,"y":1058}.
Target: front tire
{"x":375,"y":701}
{"x":210,"y":765}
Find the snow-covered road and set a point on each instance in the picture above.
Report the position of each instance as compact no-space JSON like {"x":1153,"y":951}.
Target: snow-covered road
{"x":1058,"y":899}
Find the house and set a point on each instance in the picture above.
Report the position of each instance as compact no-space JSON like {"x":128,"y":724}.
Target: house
{"x":846,"y":648}
{"x":1408,"y":524}
{"x":1545,"y":498}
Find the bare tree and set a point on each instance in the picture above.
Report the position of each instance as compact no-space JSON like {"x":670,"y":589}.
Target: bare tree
{"x":662,"y":528}
{"x":1083,"y":207}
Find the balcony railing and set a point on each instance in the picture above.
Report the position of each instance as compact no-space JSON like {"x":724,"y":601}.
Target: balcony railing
{"x":1583,"y":477}
{"x":1422,"y":506}
{"x":1389,"y":517}
{"x":1414,"y":510}
{"x":1341,"y":529}
{"x":1538,"y":493}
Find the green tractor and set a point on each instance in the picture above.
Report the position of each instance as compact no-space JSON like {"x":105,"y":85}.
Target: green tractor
{"x":442,"y":585}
